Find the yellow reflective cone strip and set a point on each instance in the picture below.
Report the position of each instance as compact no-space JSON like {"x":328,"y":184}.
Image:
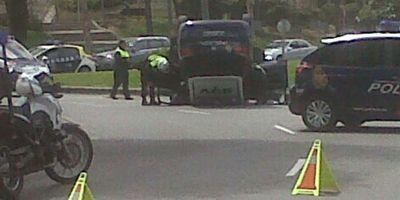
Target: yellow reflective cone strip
{"x":81,"y":190}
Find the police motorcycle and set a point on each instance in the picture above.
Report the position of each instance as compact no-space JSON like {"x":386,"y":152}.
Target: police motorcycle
{"x":33,"y":136}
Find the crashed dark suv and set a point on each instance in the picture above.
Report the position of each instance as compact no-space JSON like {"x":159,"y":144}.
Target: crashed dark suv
{"x":354,"y":78}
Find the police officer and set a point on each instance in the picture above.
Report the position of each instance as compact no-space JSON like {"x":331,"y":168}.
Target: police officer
{"x":155,"y":65}
{"x":121,"y":74}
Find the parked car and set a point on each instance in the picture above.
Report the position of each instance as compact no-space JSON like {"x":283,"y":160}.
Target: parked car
{"x":294,"y":49}
{"x":64,"y":58}
{"x":352,"y":79}
{"x":140,"y":48}
{"x":19,"y":58}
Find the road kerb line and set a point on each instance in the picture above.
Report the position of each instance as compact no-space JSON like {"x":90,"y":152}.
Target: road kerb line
{"x":194,"y":112}
{"x":286,"y":130}
{"x":296,"y":167}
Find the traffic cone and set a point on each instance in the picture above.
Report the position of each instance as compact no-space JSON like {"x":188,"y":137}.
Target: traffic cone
{"x":316,"y":175}
{"x":81,"y":190}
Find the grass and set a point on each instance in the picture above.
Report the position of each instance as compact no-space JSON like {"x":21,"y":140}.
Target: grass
{"x":95,"y":79}
{"x":292,"y":64}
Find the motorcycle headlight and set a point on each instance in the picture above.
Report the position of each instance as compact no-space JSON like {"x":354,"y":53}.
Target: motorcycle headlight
{"x":26,"y":87}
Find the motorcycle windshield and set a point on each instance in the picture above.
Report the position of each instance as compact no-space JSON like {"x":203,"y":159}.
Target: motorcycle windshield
{"x":15,"y":50}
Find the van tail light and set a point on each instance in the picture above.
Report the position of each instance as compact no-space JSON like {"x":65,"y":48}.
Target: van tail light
{"x":242,"y":50}
{"x":304,"y":66}
{"x":186,"y":52}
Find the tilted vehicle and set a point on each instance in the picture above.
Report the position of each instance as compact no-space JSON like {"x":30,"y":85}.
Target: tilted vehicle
{"x":140,"y":48}
{"x":294,"y":49}
{"x":220,"y":48}
{"x":64,"y":58}
{"x":33,"y":135}
{"x":354,"y":78}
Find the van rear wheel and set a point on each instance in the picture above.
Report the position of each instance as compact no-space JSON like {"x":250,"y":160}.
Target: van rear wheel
{"x":319,"y":115}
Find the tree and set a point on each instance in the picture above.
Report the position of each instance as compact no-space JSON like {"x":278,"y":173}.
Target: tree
{"x":18,"y":18}
{"x":217,"y":8}
{"x":149,"y":17}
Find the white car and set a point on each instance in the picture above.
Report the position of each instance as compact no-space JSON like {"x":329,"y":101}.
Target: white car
{"x":294,"y":49}
{"x":140,"y":48}
{"x":65,"y":58}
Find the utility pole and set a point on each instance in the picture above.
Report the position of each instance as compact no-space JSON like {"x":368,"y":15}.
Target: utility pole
{"x":250,"y":12}
{"x":102,"y":11}
{"x":170,"y":12}
{"x":79,"y":10}
{"x":149,"y":16}
{"x":86,"y":26}
{"x":205,"y":13}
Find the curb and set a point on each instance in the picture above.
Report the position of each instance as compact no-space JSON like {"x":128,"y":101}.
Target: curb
{"x":95,"y":90}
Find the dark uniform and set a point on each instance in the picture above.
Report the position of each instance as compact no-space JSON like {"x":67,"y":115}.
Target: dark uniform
{"x":121,"y":74}
{"x":155,"y":65}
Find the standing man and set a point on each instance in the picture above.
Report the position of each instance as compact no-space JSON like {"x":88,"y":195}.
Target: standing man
{"x":122,"y":62}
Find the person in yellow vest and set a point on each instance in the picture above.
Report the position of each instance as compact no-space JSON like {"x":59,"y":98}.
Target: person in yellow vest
{"x":122,"y":62}
{"x":156,"y":64}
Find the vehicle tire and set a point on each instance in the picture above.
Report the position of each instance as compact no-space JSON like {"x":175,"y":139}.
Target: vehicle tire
{"x":78,"y":143}
{"x":84,"y":69}
{"x":11,"y":187}
{"x":319,"y":115}
{"x":278,"y":58}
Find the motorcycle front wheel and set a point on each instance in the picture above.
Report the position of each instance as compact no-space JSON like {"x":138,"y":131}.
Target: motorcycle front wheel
{"x":75,"y":157}
{"x":10,"y":187}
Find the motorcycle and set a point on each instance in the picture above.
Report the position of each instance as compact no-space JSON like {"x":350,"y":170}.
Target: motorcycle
{"x":33,"y":136}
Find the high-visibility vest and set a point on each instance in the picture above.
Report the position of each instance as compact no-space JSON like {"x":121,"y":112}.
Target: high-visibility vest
{"x":123,"y":53}
{"x":157,"y":60}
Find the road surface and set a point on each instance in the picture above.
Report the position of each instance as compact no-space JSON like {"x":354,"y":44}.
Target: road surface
{"x":182,"y":152}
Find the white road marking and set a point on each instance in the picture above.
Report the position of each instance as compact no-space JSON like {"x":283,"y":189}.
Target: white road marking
{"x":194,"y":112}
{"x":286,"y":130}
{"x":296,"y":168}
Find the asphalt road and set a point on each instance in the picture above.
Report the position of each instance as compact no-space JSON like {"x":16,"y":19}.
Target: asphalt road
{"x":183,"y":152}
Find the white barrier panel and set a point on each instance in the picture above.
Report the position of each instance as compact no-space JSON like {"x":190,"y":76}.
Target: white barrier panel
{"x":220,"y":90}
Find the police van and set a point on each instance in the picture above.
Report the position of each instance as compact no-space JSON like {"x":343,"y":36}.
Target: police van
{"x":352,"y":79}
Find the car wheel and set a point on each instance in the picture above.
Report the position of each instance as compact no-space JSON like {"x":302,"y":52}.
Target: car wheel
{"x":84,"y":69}
{"x":319,"y":115}
{"x":278,"y":58}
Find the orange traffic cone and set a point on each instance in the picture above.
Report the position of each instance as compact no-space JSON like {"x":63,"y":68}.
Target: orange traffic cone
{"x":316,"y":175}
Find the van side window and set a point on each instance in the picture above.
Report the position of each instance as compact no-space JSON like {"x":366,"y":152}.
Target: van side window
{"x":365,"y":54}
{"x":327,"y":55}
{"x":391,"y":53}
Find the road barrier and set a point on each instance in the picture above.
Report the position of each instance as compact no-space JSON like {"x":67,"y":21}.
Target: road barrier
{"x":316,"y":175}
{"x":81,"y":190}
